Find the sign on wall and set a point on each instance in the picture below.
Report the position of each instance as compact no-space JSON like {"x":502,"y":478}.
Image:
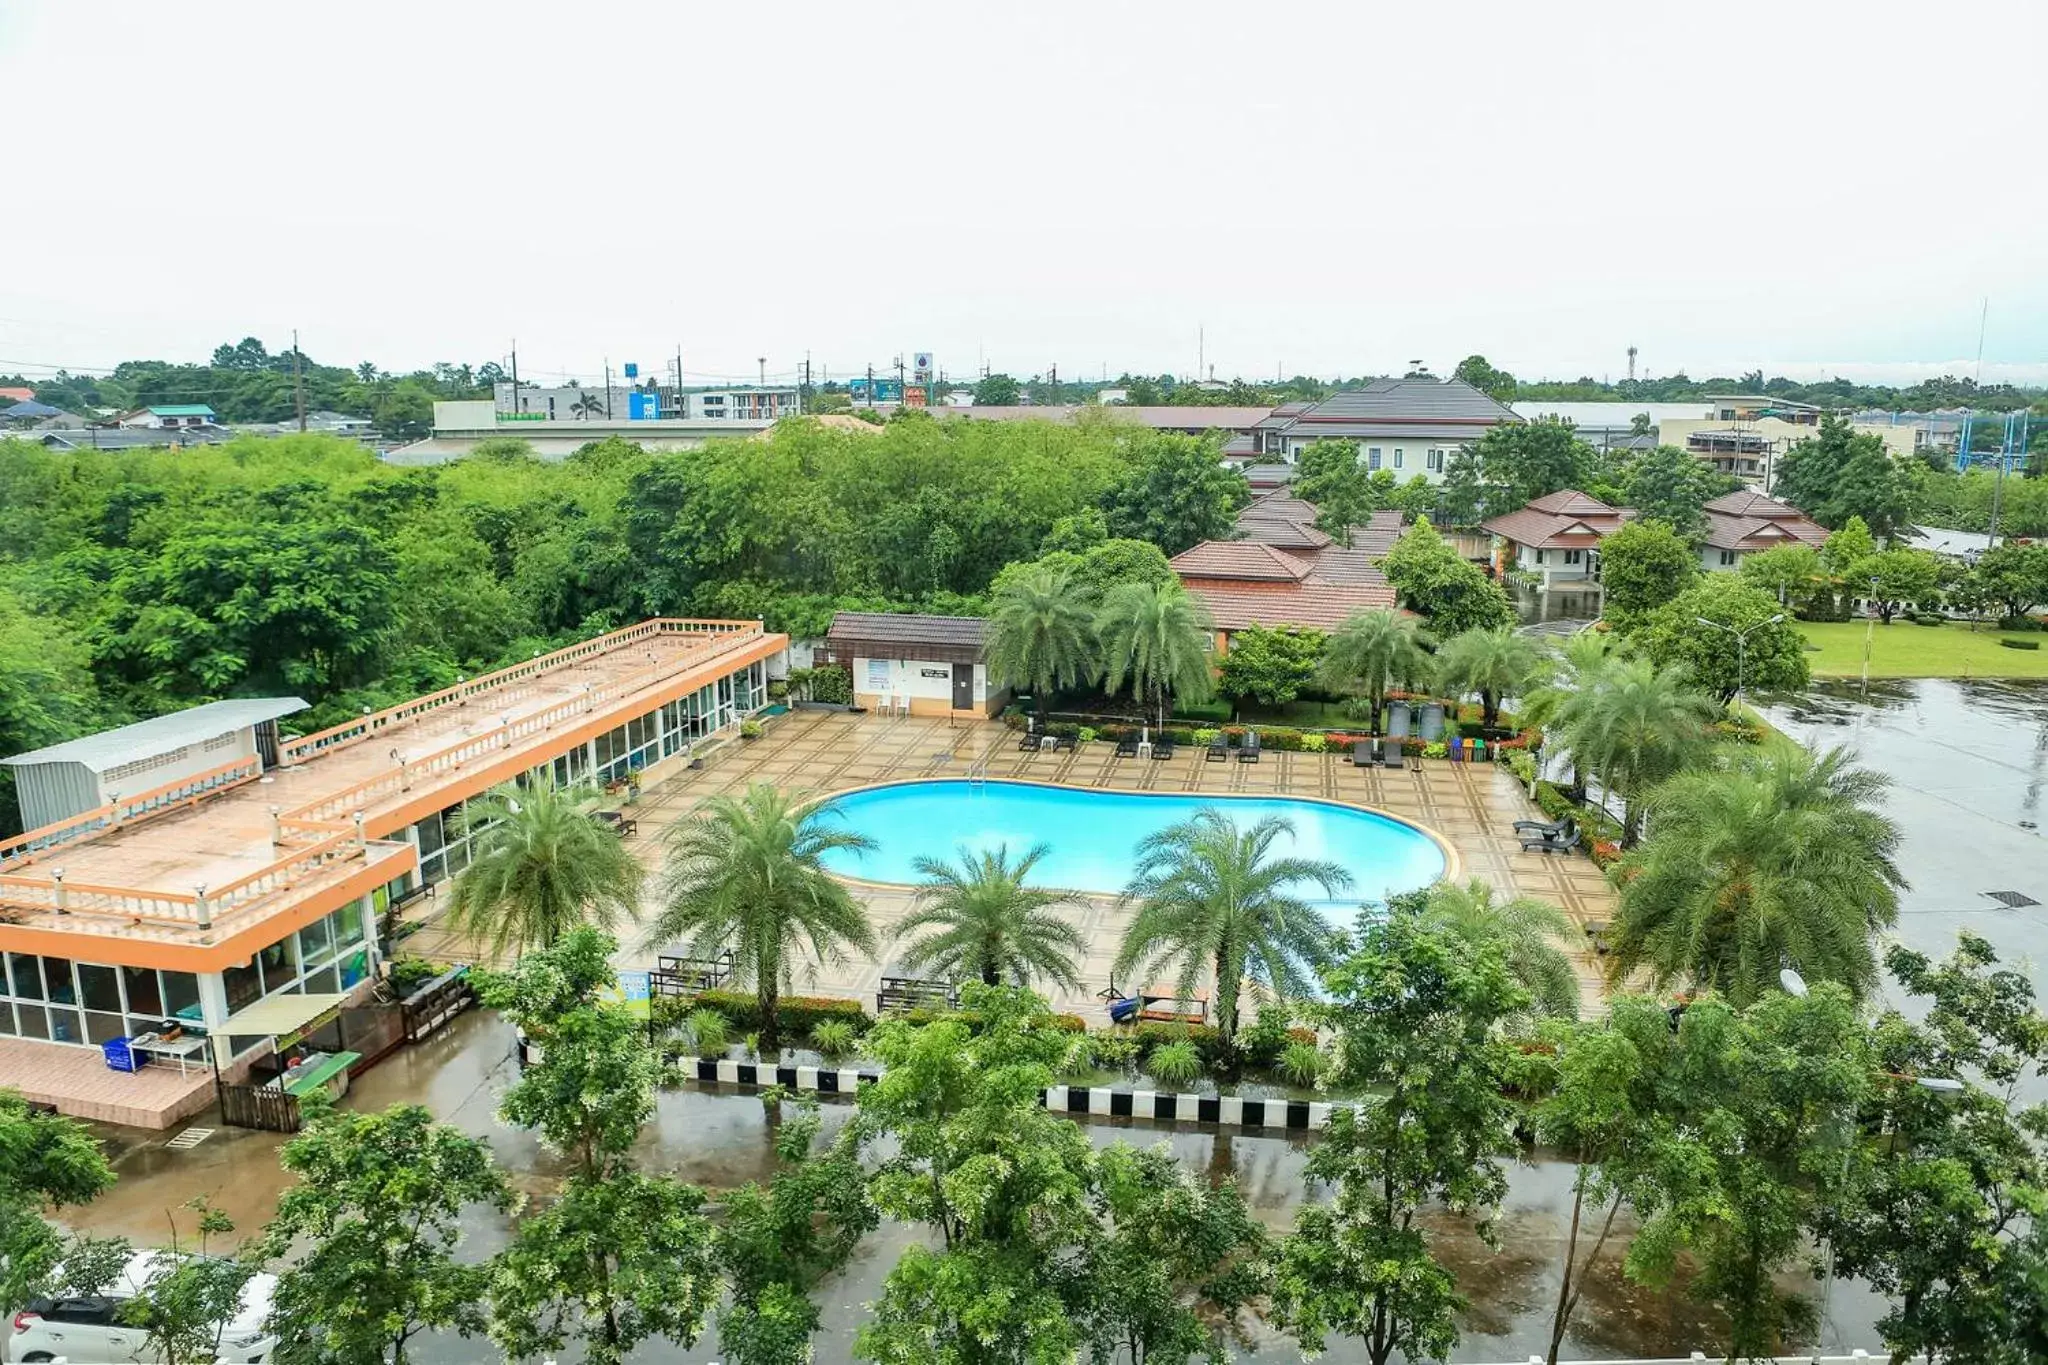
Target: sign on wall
{"x":878,"y":675}
{"x":945,"y":673}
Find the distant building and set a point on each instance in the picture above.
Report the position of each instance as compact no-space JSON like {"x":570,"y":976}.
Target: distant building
{"x":666,"y":403}
{"x":1556,"y":538}
{"x":1113,"y":396}
{"x":460,"y":427}
{"x":1406,"y":426}
{"x":170,"y":415}
{"x":927,"y":665}
{"x":1744,"y":523}
{"x":1745,"y":434}
{"x":1244,"y":583}
{"x":16,"y":393}
{"x":27,"y":413}
{"x":128,"y":438}
{"x":1189,"y":421}
{"x":959,"y":398}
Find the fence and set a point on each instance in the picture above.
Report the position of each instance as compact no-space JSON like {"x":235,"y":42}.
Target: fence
{"x":259,"y":1106}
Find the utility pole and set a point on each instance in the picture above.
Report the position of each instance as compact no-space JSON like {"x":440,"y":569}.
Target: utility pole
{"x":762,"y":361}
{"x":803,"y":395}
{"x":680,"y":405}
{"x":899,"y":380}
{"x":298,"y":387}
{"x":515,"y":374}
{"x":1055,"y":383}
{"x":607,"y":388}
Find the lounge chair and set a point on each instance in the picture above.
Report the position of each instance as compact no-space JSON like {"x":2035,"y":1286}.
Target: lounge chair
{"x":1397,"y":720}
{"x":1432,"y":722}
{"x":1361,"y":754}
{"x":1127,"y":747}
{"x":1392,"y":757}
{"x":1029,"y":743}
{"x":1162,"y":747}
{"x":1562,"y":842}
{"x":1250,"y":752}
{"x":1541,"y":826}
{"x":1219,"y":750}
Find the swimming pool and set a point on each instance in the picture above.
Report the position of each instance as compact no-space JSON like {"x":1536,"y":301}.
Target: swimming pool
{"x":1091,"y":836}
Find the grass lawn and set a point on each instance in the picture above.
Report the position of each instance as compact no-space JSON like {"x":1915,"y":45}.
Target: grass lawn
{"x":1904,"y":650}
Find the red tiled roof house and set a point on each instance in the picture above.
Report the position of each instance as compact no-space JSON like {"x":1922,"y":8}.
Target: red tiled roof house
{"x":1556,"y":539}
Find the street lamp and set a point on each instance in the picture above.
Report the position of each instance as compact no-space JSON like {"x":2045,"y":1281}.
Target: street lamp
{"x":1741,"y":644}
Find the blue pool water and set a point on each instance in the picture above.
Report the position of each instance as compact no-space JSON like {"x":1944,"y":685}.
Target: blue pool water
{"x":1091,"y":836}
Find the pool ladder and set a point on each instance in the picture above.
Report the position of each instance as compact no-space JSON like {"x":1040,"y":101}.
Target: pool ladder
{"x":977,"y":776}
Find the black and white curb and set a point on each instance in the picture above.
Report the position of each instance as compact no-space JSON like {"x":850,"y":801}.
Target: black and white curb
{"x":1090,"y":1101}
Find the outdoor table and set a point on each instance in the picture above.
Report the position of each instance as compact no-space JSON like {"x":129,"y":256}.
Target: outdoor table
{"x":322,"y":1070}
{"x":1144,"y":748}
{"x":184,"y":1048}
{"x":1048,"y":742}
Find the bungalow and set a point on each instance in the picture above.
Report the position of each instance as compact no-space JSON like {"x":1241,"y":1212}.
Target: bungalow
{"x":1245,"y":583}
{"x":167,"y":415}
{"x":1743,"y":523}
{"x":929,"y":665}
{"x":1556,"y":538}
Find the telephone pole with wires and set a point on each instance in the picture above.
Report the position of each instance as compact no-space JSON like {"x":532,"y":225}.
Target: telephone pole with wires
{"x":298,"y":383}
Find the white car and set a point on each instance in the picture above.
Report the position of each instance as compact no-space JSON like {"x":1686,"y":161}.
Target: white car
{"x":88,"y":1330}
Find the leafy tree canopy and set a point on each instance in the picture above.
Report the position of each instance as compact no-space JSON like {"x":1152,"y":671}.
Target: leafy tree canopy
{"x":1271,"y":666}
{"x":1644,"y":565}
{"x":1742,"y":649}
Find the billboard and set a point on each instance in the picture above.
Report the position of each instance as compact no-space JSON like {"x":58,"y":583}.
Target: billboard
{"x":921,"y":365}
{"x":884,"y":391}
{"x":643,"y":407}
{"x":916,"y":396}
{"x":632,"y":370}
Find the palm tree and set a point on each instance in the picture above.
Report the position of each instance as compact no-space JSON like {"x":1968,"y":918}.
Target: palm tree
{"x":1781,"y":859}
{"x":1559,"y":703}
{"x":1155,"y":637}
{"x":1529,"y":931}
{"x":1492,"y":663}
{"x":1041,"y":634}
{"x":539,"y":866}
{"x":991,"y":924}
{"x":749,"y":874}
{"x":1638,"y":726}
{"x":1375,"y":652}
{"x":1209,"y":895}
{"x":367,"y":371}
{"x":587,"y":405}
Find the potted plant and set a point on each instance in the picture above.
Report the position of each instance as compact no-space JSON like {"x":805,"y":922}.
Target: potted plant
{"x":750,"y":729}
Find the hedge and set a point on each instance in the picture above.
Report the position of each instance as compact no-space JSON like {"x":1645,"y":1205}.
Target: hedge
{"x":1602,"y":836}
{"x":1065,"y":1023}
{"x":796,"y":1012}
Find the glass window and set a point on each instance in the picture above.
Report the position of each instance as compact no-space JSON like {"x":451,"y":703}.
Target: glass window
{"x":348,"y":926}
{"x":6,"y":1018}
{"x":57,"y":976}
{"x":181,"y":996}
{"x":323,"y":982}
{"x":65,"y":1027}
{"x":102,"y":987}
{"x":27,"y":973}
{"x":244,"y":985}
{"x":280,"y":964}
{"x":34,"y":1022}
{"x":430,"y":835}
{"x":316,"y":940}
{"x":1398,"y":453}
{"x":144,"y":995}
{"x":354,"y":968}
{"x":100,"y":1028}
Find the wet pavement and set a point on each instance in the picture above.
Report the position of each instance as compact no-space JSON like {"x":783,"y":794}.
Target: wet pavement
{"x":1970,"y":762}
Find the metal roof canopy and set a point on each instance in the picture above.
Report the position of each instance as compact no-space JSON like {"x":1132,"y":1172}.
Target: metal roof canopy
{"x":148,"y":738}
{"x":280,"y":1016}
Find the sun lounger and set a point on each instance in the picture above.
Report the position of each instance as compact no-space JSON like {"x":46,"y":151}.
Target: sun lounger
{"x":1397,"y":720}
{"x":1392,"y":757}
{"x":1432,"y":722}
{"x":1127,"y":747}
{"x":1362,"y":755}
{"x":1162,"y":747}
{"x":1219,"y":750}
{"x":1561,"y":842}
{"x":1029,"y":743}
{"x":1541,"y":826}
{"x":1250,"y":752}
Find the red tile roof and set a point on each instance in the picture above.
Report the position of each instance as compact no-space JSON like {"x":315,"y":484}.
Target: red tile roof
{"x":1322,"y":606}
{"x":1750,"y":521}
{"x":1239,"y":560}
{"x":1567,"y":519}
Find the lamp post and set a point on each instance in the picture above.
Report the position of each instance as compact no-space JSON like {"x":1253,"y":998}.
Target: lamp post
{"x":1741,"y":644}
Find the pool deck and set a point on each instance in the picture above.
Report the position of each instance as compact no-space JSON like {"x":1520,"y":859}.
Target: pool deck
{"x":1473,"y":807}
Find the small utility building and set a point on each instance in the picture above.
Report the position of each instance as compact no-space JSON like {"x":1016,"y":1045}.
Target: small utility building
{"x":927,"y":665}
{"x":84,"y":774}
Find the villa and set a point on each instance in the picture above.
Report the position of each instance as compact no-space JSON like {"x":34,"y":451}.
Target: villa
{"x":1743,"y":523}
{"x":1556,"y":539}
{"x":185,"y":870}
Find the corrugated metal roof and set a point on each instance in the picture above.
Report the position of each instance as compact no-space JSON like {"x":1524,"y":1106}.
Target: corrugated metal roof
{"x":161,"y":734}
{"x":1415,"y":400}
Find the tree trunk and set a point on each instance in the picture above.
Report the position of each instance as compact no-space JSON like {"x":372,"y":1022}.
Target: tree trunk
{"x":768,"y":995}
{"x":989,"y":975}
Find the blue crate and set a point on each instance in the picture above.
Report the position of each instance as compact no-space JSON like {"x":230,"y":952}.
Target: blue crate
{"x":121,"y":1057}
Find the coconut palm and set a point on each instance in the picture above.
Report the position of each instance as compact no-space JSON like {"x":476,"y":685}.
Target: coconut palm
{"x":1155,"y":638}
{"x":1375,"y":652}
{"x":587,"y":405}
{"x":1492,"y":663}
{"x":539,"y":866}
{"x":1638,"y":726}
{"x":1041,"y":634}
{"x":1557,"y":704}
{"x":1530,"y":932}
{"x":1780,"y":859}
{"x":990,"y":924}
{"x":749,"y":874}
{"x":1211,"y":896}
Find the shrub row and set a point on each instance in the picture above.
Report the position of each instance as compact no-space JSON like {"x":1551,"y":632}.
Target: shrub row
{"x":1601,"y":834}
{"x":796,"y":1012}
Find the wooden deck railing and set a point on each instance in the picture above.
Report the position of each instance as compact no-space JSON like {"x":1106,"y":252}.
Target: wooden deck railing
{"x":329,"y":828}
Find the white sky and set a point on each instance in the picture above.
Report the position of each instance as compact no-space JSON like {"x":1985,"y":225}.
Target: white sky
{"x":1332,"y":188}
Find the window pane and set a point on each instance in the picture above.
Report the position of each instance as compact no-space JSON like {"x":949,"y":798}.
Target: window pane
{"x":57,"y":976}
{"x":280,"y":964}
{"x":143,"y":995}
{"x":323,"y":982}
{"x":102,"y":987}
{"x":243,"y":985}
{"x":430,"y":836}
{"x":99,"y":1028}
{"x":181,"y":996}
{"x":65,"y":1027}
{"x":33,"y":1022}
{"x":354,"y":967}
{"x":348,"y":925}
{"x":27,"y":971}
{"x":6,"y":1018}
{"x":316,"y":940}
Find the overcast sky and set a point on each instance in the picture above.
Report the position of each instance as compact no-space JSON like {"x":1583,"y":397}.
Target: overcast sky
{"x":1327,"y":189}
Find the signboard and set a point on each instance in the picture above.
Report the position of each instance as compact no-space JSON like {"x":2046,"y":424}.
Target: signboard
{"x":522,"y":417}
{"x":643,"y":407}
{"x":945,"y":673}
{"x":884,"y":391}
{"x":917,"y":396}
{"x":921,"y":366}
{"x":638,"y":993}
{"x":878,"y":675}
{"x":632,"y":370}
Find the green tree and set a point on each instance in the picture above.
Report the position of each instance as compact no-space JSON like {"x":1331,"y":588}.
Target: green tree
{"x":1794,"y":574}
{"x":1076,"y":534}
{"x":2015,"y":576}
{"x":1644,"y":565}
{"x":1525,"y":460}
{"x":1213,"y":897}
{"x":1777,"y":857}
{"x":1672,"y":485}
{"x":1558,"y":704}
{"x":620,"y":1256}
{"x":1154,"y":640}
{"x":1639,"y":726}
{"x":995,"y":391}
{"x":1041,"y":635}
{"x":1435,"y":581}
{"x":185,"y":1300}
{"x":1848,"y":545}
{"x":1175,"y":1263}
{"x":1328,"y":474}
{"x":749,"y":874}
{"x":778,"y":1241}
{"x":990,"y":925}
{"x":1896,"y":578}
{"x":1496,"y":384}
{"x":44,"y":1160}
{"x":1945,"y":1221}
{"x":1743,"y":650}
{"x":1842,"y":473}
{"x":1415,"y":1011}
{"x":1492,"y":664}
{"x":1177,"y":495}
{"x":1374,"y":653}
{"x":376,"y":1211}
{"x":1533,"y":935}
{"x":540,"y":865}
{"x":1272,"y":666}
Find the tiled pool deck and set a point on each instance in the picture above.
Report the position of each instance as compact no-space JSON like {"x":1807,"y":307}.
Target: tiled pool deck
{"x":1471,"y":806}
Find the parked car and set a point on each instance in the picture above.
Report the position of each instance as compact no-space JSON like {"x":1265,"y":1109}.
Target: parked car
{"x":89,"y":1328}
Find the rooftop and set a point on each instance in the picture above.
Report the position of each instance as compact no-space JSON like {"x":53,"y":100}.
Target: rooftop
{"x":1320,"y":605}
{"x":198,"y":875}
{"x":180,"y":410}
{"x":1243,"y":560}
{"x":1188,"y":418}
{"x":902,"y":628}
{"x":1750,"y":521}
{"x":1567,"y":519}
{"x":1418,"y":408}
{"x":160,"y":735}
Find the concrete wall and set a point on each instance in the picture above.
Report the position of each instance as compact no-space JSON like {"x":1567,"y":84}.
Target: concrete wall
{"x":1553,"y":565}
{"x":877,"y":681}
{"x":1710,"y":560}
{"x":1403,"y":458}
